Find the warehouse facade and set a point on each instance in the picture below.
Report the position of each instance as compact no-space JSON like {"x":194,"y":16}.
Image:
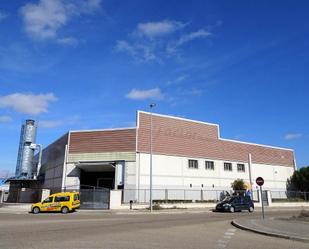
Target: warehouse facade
{"x":187,"y":154}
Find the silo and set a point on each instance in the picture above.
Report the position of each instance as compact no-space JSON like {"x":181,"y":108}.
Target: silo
{"x":25,"y":152}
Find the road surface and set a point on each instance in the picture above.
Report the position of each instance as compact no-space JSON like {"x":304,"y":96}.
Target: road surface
{"x":97,"y":229}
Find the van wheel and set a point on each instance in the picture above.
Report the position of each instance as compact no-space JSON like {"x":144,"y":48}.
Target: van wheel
{"x":251,"y":209}
{"x":64,"y":210}
{"x":232,"y":209}
{"x":35,"y":210}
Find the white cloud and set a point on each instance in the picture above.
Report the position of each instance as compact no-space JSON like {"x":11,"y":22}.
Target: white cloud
{"x":5,"y":173}
{"x":173,"y":47}
{"x":50,"y":123}
{"x":139,"y":52}
{"x":189,"y":91}
{"x":156,"y":41}
{"x":27,"y":103}
{"x":43,"y":20}
{"x":179,"y":79}
{"x":154,"y":29}
{"x":292,"y":136}
{"x":67,"y":41}
{"x":88,"y":6}
{"x":3,"y":15}
{"x":124,"y":46}
{"x":154,"y":93}
{"x":5,"y":119}
{"x":56,"y":123}
{"x":202,"y":33}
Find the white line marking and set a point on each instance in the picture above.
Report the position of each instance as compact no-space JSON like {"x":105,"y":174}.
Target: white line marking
{"x":225,"y":239}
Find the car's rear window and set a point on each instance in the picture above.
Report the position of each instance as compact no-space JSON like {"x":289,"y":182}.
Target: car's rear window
{"x":62,"y":198}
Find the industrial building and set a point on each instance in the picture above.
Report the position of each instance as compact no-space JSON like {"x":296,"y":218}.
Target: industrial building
{"x":187,"y":154}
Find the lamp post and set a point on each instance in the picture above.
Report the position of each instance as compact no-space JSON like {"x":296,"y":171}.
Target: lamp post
{"x":150,"y":185}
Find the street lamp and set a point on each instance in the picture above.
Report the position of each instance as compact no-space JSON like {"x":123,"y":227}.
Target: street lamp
{"x":150,"y":187}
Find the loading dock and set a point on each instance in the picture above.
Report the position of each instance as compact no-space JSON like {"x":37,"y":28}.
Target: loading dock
{"x":96,"y":181}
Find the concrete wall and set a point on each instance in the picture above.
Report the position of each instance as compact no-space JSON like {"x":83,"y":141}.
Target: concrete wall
{"x":53,"y":157}
{"x":173,"y":172}
{"x":71,"y":179}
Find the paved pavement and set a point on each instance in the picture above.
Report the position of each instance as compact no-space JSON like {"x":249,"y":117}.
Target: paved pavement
{"x":136,"y":230}
{"x":289,"y":229}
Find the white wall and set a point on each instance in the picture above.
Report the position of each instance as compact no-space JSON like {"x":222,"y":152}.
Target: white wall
{"x":172,"y":172}
{"x":275,"y":177}
{"x":72,"y":176}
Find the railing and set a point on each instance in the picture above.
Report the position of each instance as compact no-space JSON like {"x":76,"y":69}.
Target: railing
{"x":179,"y":195}
{"x":289,"y":196}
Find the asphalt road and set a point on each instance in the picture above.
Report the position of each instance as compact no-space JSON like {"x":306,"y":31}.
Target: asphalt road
{"x":181,"y":230}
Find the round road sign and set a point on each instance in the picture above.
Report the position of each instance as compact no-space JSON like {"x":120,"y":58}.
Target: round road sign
{"x":259,"y":181}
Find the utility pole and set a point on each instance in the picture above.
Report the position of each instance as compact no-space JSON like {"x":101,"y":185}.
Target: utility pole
{"x":150,"y":185}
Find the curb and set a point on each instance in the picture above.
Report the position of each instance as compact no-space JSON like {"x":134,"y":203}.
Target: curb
{"x":277,"y":235}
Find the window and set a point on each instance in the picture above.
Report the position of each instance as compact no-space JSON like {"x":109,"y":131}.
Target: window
{"x":228,"y":166}
{"x":48,"y":199}
{"x":193,"y":164}
{"x":240,"y":167}
{"x":76,"y":197}
{"x":210,"y":165}
{"x":62,"y":198}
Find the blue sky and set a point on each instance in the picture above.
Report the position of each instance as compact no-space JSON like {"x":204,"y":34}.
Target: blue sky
{"x":87,"y":64}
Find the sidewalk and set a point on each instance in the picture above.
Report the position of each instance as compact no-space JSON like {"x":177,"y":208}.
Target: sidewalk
{"x":288,"y":229}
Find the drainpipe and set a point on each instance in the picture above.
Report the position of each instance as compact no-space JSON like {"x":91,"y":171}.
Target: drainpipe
{"x":37,"y":146}
{"x":249,"y":166}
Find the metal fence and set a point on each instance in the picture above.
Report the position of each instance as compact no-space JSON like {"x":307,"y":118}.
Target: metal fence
{"x":24,"y":195}
{"x":289,"y":196}
{"x":179,"y":195}
{"x":90,"y":197}
{"x":94,"y":197}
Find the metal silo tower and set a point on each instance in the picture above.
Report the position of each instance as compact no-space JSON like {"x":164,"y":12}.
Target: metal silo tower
{"x":26,"y":151}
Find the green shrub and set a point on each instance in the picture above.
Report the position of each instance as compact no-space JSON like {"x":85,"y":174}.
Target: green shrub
{"x":156,"y":207}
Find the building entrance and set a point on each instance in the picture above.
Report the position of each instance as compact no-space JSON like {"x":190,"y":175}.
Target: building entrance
{"x":96,"y":181}
{"x":107,"y":175}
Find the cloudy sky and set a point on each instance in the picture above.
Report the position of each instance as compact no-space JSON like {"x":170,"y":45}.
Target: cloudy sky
{"x":87,"y":64}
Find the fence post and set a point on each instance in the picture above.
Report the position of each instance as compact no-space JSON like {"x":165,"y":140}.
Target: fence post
{"x":202,"y":196}
{"x":166,"y":195}
{"x":184,"y":194}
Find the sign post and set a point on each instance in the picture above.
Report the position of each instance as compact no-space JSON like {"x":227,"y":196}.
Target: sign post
{"x":260,"y":181}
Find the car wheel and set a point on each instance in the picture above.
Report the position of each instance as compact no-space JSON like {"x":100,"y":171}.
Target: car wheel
{"x":251,"y":209}
{"x":232,"y":209}
{"x":64,"y":210}
{"x":35,"y":210}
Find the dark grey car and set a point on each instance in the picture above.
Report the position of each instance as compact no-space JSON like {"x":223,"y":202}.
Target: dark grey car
{"x":235,"y":203}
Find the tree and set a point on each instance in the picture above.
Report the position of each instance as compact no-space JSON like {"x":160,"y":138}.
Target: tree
{"x":299,"y":181}
{"x":238,"y":185}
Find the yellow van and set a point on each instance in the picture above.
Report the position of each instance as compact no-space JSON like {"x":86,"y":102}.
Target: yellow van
{"x":64,"y":202}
